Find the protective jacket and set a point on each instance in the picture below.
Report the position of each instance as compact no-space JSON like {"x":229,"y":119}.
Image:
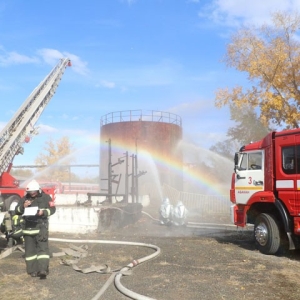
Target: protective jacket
{"x":1,"y":204}
{"x":32,"y":223}
{"x":12,"y":227}
{"x":13,"y":224}
{"x":6,"y":224}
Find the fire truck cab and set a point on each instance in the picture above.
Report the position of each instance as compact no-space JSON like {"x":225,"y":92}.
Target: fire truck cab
{"x":265,"y":190}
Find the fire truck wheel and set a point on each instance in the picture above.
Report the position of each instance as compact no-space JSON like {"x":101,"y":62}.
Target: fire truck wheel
{"x":9,"y":200}
{"x":267,"y":234}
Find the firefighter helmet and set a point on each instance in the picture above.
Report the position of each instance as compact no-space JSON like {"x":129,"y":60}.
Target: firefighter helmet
{"x":32,"y":186}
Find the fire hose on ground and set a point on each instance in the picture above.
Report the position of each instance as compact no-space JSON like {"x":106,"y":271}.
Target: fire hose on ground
{"x":117,"y":276}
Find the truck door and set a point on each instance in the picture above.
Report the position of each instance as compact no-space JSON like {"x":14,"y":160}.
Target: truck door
{"x":288,"y":171}
{"x":249,"y":177}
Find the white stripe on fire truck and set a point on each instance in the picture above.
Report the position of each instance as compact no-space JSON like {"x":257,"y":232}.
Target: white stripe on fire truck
{"x":256,"y":188}
{"x":285,"y":184}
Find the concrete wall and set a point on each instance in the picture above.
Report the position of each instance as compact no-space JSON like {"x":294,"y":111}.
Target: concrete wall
{"x":74,"y":220}
{"x":70,"y":218}
{"x":74,"y":199}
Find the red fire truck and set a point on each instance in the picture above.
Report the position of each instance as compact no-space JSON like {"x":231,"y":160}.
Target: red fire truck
{"x":265,"y":190}
{"x":20,"y":129}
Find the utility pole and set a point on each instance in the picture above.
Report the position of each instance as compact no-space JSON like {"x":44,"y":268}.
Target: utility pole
{"x":132,"y":179}
{"x":109,"y":172}
{"x":136,"y":180}
{"x":135,"y":173}
{"x":126,"y":177}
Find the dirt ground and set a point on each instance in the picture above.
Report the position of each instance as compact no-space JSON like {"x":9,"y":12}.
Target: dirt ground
{"x":194,"y":263}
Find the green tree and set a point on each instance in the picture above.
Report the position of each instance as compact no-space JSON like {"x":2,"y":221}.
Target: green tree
{"x":56,"y":157}
{"x":270,"y":55}
{"x":225,"y":148}
{"x":248,"y":128}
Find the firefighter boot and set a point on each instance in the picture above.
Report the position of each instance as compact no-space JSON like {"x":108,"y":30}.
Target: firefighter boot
{"x":42,"y":274}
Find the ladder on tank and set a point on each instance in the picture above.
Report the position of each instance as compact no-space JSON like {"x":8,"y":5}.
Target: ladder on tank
{"x":21,"y":126}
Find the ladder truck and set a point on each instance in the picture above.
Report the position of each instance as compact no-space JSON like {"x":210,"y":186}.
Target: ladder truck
{"x":20,"y":129}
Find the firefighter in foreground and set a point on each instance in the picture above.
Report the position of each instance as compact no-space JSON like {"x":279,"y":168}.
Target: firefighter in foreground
{"x":36,"y":206}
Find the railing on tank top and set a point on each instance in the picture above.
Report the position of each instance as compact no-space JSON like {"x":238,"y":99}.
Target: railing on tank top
{"x":141,"y":115}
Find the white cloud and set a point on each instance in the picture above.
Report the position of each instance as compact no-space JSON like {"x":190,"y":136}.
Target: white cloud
{"x":44,"y":129}
{"x":65,"y":116}
{"x":75,"y":132}
{"x":14,"y":58}
{"x":129,"y":2}
{"x":51,"y":56}
{"x":234,"y":13}
{"x":78,"y":65}
{"x":68,"y":117}
{"x":190,"y":108}
{"x":107,"y":84}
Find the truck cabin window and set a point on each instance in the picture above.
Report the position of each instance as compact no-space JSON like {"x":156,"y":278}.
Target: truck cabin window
{"x":254,"y":161}
{"x":251,"y":161}
{"x":291,"y":159}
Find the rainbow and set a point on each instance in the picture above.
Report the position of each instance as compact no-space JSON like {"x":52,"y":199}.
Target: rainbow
{"x":198,"y":178}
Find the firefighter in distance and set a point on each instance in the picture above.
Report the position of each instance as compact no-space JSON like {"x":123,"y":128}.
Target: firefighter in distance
{"x":12,"y":226}
{"x":36,"y":228}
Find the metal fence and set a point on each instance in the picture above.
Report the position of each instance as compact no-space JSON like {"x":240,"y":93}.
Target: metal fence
{"x":202,"y":204}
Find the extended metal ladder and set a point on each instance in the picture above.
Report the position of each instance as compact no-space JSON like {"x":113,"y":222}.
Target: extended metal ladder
{"x":21,"y":126}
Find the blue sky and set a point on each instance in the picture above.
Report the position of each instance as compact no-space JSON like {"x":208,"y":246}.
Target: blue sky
{"x":126,"y":54}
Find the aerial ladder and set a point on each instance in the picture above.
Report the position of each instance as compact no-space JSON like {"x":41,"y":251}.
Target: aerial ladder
{"x":21,"y":128}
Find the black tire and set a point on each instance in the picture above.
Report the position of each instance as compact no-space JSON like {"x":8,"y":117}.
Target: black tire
{"x":267,"y":234}
{"x":8,"y":201}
